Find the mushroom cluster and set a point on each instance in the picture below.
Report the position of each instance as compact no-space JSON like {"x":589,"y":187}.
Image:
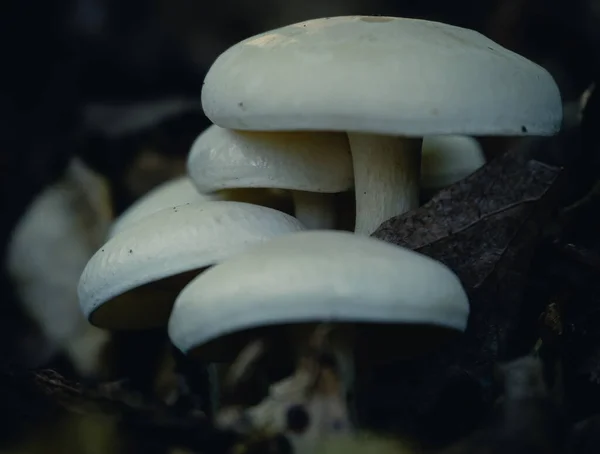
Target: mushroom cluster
{"x":379,"y":106}
{"x":385,"y":83}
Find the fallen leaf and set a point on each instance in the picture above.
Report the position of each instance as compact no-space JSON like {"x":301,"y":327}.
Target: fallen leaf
{"x":485,"y":228}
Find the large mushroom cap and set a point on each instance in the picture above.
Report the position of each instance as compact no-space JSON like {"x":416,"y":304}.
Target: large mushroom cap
{"x":179,"y":191}
{"x":317,"y":276}
{"x":173,"y":244}
{"x":223,"y":159}
{"x":381,"y":75}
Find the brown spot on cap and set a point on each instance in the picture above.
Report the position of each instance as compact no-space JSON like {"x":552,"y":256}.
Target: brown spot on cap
{"x":376,"y":19}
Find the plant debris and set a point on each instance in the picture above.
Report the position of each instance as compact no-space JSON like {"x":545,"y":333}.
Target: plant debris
{"x":485,"y":228}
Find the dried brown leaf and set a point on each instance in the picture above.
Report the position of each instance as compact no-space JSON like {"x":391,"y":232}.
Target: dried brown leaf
{"x":485,"y":228}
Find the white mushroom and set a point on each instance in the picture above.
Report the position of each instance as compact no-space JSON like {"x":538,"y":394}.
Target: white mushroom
{"x":316,"y":277}
{"x":132,"y":281}
{"x":179,"y":191}
{"x":47,"y":252}
{"x":387,"y":82}
{"x":311,"y":165}
{"x":448,"y":159}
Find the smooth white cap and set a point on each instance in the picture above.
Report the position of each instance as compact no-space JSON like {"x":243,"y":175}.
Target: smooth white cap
{"x":384,"y":75}
{"x":176,"y":192}
{"x":166,"y":244}
{"x":46,"y":253}
{"x":448,"y":159}
{"x":300,"y":161}
{"x":317,"y":276}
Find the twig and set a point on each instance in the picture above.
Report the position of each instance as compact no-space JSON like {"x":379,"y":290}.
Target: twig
{"x":153,"y":420}
{"x":581,"y":255}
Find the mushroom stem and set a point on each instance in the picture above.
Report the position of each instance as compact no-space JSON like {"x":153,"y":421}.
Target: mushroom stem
{"x":386,"y":178}
{"x":345,"y":360}
{"x":317,"y":385}
{"x":85,"y":350}
{"x":340,"y":343}
{"x":315,"y":210}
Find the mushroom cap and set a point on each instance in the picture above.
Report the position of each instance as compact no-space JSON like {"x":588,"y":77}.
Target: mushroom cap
{"x":448,"y":159}
{"x":174,"y":242}
{"x":301,"y":161}
{"x":176,"y":192}
{"x":317,"y":276}
{"x":385,"y":75}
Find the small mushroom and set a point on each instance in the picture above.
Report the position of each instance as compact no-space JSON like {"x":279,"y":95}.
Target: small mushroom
{"x":387,"y":82}
{"x":347,"y":281}
{"x":45,"y":255}
{"x":448,"y":159}
{"x":176,"y":192}
{"x":132,"y":281}
{"x":312,"y":166}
